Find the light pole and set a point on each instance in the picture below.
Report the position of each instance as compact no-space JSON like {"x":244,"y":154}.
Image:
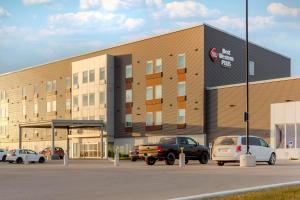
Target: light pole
{"x":246,"y":117}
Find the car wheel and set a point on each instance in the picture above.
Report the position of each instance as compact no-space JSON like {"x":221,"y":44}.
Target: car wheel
{"x":10,"y":161}
{"x":186,"y":161}
{"x":19,"y":160}
{"x":204,"y":158}
{"x":41,"y":160}
{"x":220,"y":163}
{"x":272,"y":159}
{"x":150,"y":160}
{"x":61,"y":157}
{"x":133,"y":159}
{"x":170,"y":160}
{"x":3,"y":158}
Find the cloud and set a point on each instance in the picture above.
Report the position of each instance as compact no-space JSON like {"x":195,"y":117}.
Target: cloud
{"x":4,"y":12}
{"x":184,"y":9}
{"x":157,"y":3}
{"x":33,"y":2}
{"x":131,"y":23}
{"x":237,"y":23}
{"x":283,"y":10}
{"x":108,"y":5}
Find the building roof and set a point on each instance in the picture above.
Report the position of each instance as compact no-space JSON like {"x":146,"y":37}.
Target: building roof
{"x":253,"y":83}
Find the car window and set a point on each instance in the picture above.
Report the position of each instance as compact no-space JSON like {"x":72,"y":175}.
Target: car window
{"x":254,"y":141}
{"x":226,"y":141}
{"x":263,"y":143}
{"x":191,"y":141}
{"x":182,"y":141}
{"x":1,"y":150}
{"x":30,"y":152}
{"x":167,"y":140}
{"x":22,"y":151}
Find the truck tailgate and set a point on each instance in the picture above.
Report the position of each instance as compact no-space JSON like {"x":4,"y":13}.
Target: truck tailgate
{"x":145,"y":150}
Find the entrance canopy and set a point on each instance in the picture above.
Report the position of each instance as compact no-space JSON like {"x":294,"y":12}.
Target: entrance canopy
{"x":63,"y":124}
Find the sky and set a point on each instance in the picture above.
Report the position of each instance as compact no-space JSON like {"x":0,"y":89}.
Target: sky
{"x":33,"y":32}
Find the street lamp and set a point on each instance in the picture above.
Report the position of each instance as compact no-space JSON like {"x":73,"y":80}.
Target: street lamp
{"x":247,"y":160}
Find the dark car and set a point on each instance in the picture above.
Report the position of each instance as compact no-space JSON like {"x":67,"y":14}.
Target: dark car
{"x":169,"y":148}
{"x":134,"y":154}
{"x":58,"y":152}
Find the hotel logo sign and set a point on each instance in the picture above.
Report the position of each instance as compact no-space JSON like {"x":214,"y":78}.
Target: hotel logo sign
{"x":225,"y":57}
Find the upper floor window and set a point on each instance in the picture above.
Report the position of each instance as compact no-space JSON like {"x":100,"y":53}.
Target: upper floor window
{"x":68,"y":104}
{"x":181,"y":61}
{"x":251,"y":68}
{"x":149,"y":119}
{"x":158,"y":92}
{"x":92,"y":99}
{"x":85,"y":77}
{"x":181,"y":88}
{"x":158,"y":118}
{"x":3,"y":94}
{"x":102,"y":74}
{"x":75,"y":101}
{"x":51,"y":106}
{"x":35,"y":108}
{"x":75,"y":79}
{"x":91,"y":75}
{"x":51,"y":86}
{"x":181,"y":116}
{"x":102,"y":97}
{"x":158,"y":65}
{"x":85,"y":100}
{"x":149,"y":67}
{"x":128,"y":96}
{"x":149,"y":93}
{"x":35,"y":89}
{"x":24,"y":92}
{"x":128,"y":120}
{"x":128,"y":71}
{"x":24,"y":108}
{"x":68,"y":82}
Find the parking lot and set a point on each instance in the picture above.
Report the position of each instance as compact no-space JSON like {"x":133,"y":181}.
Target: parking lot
{"x":99,"y":179}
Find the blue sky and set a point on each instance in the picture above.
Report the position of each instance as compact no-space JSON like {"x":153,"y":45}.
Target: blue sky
{"x":38,"y":31}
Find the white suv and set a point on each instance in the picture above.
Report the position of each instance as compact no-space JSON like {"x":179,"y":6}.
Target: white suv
{"x":2,"y":155}
{"x":18,"y":156}
{"x":229,"y":149}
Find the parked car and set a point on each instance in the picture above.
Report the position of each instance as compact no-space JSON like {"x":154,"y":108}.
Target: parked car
{"x":168,"y":149}
{"x":3,"y":155}
{"x":230,"y":148}
{"x":58,"y":152}
{"x":18,"y":156}
{"x":134,"y":154}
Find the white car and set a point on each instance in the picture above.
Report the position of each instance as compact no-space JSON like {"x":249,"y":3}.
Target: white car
{"x":18,"y":156}
{"x":229,"y":149}
{"x":2,"y":155}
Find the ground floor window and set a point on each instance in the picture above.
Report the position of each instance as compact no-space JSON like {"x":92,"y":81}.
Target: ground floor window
{"x":287,"y":136}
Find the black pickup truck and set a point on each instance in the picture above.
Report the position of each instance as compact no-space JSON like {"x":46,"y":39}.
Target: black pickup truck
{"x":169,"y":148}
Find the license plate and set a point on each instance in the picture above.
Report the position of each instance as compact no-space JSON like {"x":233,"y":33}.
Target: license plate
{"x":147,"y":154}
{"x":223,"y":150}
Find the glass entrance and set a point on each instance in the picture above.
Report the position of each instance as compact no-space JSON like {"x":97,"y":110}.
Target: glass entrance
{"x":89,"y":150}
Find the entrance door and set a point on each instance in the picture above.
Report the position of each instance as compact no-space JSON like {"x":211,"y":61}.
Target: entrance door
{"x":89,"y":150}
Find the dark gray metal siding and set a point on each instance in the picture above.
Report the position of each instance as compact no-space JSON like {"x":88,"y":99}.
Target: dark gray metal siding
{"x":268,"y":65}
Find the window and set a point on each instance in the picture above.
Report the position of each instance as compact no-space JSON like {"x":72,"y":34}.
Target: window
{"x":92,"y":117}
{"x":35,"y":89}
{"x":158,"y":118}
{"x":149,"y":119}
{"x":91,"y":76}
{"x":75,"y":79}
{"x":53,"y":106}
{"x":158,"y":92}
{"x":181,"y":61}
{"x":24,"y":109}
{"x":23,"y":91}
{"x":128,"y":120}
{"x":149,"y":93}
{"x":251,"y":68}
{"x":102,"y":74}
{"x":68,"y":104}
{"x":128,"y":96}
{"x":149,"y":67}
{"x":181,"y":89}
{"x":85,"y":77}
{"x":158,"y":65}
{"x":101,"y":117}
{"x":75,"y":101}
{"x":68,"y":82}
{"x":51,"y":86}
{"x":102,"y":97}
{"x":85,"y":99}
{"x":3,"y":94}
{"x":128,"y":71}
{"x":181,"y":116}
{"x":92,"y":99}
{"x":35,"y":108}
{"x":48,"y":106}
{"x":190,"y":141}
